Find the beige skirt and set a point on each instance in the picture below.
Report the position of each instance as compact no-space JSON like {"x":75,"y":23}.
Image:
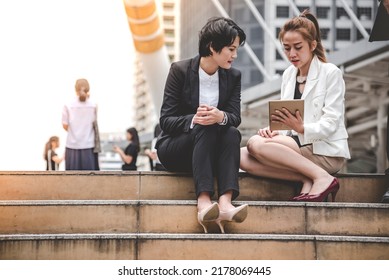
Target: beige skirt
{"x":330,"y":164}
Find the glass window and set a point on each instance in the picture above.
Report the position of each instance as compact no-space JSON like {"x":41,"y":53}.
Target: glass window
{"x":278,"y":29}
{"x":169,"y":44}
{"x":341,"y":12}
{"x":168,"y":20}
{"x":282,"y":11}
{"x":322,"y":12}
{"x":364,"y":13}
{"x":278,"y":56}
{"x":280,"y":72}
{"x":302,"y":8}
{"x":169,"y":33}
{"x":255,"y":77}
{"x":324,"y":32}
{"x":255,"y":35}
{"x":239,"y":13}
{"x":260,"y":7}
{"x":168,"y":7}
{"x":343,"y":34}
{"x":359,"y":34}
{"x":259,"y":53}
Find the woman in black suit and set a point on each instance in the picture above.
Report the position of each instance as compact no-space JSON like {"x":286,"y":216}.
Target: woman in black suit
{"x":199,"y":119}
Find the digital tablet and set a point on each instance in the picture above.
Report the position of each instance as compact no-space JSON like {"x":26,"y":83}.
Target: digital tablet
{"x":291,"y":105}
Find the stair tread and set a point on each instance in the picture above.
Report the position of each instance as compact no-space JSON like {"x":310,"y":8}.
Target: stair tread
{"x":193,"y":236}
{"x":191,"y":203}
{"x":155,"y":173}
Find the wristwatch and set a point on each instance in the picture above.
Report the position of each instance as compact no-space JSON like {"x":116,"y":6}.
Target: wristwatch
{"x":225,"y":119}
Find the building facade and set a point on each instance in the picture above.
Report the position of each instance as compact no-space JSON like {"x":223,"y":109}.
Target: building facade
{"x":145,"y":117}
{"x":338,"y":30}
{"x":336,"y":26}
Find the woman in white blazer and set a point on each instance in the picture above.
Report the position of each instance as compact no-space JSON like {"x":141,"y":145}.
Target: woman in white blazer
{"x":316,"y":147}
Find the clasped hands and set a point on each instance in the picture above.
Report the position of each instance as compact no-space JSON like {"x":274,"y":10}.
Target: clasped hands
{"x":295,"y":122}
{"x":208,"y":115}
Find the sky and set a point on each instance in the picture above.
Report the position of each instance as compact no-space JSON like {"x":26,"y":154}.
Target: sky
{"x":45,"y":45}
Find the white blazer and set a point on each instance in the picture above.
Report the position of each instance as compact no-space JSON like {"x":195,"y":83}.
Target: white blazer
{"x":324,"y":91}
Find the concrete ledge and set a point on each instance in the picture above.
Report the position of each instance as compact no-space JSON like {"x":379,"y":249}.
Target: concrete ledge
{"x":129,"y":185}
{"x":60,"y":217}
{"x":200,"y":246}
{"x":148,"y":216}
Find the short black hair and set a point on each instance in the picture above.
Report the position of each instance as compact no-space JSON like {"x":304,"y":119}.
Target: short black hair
{"x":219,"y":32}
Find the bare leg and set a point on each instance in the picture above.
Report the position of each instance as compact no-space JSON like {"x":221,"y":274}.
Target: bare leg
{"x":203,"y":201}
{"x":225,"y":202}
{"x":253,"y":166}
{"x":281,"y":153}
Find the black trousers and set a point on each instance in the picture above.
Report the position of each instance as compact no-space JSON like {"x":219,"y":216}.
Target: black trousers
{"x":206,"y":152}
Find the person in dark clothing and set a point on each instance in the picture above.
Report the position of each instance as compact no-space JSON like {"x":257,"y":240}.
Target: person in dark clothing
{"x":199,"y":119}
{"x":380,"y":33}
{"x":155,"y":164}
{"x":130,"y":154}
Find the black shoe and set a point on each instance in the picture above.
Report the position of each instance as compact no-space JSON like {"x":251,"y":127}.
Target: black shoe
{"x":385,"y":198}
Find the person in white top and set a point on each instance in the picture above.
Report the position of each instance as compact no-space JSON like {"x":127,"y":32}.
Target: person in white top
{"x":77,"y":119}
{"x":316,"y":146}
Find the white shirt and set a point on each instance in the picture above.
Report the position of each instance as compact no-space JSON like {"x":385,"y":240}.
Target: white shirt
{"x":208,"y":91}
{"x":208,"y":88}
{"x":79,"y":116}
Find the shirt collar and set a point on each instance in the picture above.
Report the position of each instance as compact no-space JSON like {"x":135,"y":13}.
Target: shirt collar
{"x":205,"y":76}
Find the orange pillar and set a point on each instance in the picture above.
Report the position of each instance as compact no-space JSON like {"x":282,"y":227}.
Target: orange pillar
{"x":149,"y":41}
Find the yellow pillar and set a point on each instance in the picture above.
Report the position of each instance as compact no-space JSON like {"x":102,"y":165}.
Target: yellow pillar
{"x":144,"y":24}
{"x":148,"y":38}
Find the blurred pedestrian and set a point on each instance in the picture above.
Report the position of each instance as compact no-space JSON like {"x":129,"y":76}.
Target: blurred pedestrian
{"x":155,"y":164}
{"x":50,"y":155}
{"x":78,"y":119}
{"x":130,"y":154}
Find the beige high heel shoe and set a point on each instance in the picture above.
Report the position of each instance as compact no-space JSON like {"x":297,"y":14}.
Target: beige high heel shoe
{"x":237,"y":215}
{"x":209,"y":214}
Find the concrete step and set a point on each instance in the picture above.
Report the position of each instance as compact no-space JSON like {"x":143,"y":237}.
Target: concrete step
{"x":365,"y":188}
{"x":48,"y":217}
{"x":192,"y":247}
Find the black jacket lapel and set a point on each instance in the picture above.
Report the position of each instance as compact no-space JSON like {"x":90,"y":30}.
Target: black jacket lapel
{"x":222,"y":87}
{"x":194,"y":82}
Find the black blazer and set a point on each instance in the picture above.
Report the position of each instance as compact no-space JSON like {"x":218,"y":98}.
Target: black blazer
{"x":181,"y":97}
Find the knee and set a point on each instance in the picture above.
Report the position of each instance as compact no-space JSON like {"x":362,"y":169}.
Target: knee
{"x":255,"y":145}
{"x":233,"y":134}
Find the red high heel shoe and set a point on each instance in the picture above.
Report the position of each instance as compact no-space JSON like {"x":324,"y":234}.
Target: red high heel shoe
{"x":297,"y":197}
{"x":332,"y":189}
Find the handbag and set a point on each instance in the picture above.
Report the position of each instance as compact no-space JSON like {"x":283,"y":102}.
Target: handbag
{"x":97,"y":148}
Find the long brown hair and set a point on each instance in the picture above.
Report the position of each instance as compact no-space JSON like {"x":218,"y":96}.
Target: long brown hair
{"x":307,"y":25}
{"x":48,"y":146}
